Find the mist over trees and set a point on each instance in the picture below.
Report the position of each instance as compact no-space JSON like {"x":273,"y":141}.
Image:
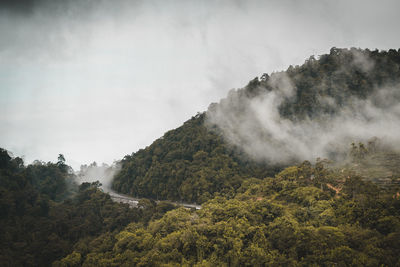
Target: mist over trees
{"x":298,"y":168}
{"x":188,"y":164}
{"x":305,"y":215}
{"x":314,"y":110}
{"x":44,"y":214}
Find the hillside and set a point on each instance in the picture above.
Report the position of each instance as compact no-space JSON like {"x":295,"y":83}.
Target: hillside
{"x":298,"y":168}
{"x":292,"y":219}
{"x":190,"y":164}
{"x":44,"y":214}
{"x":305,"y":215}
{"x":275,"y":121}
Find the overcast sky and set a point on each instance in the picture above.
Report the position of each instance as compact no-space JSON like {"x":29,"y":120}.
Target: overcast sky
{"x":96,"y":80}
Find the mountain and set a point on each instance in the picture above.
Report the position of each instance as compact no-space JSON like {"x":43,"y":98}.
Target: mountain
{"x":251,"y":161}
{"x":190,"y":163}
{"x":304,"y":216}
{"x":44,"y":214}
{"x":314,"y":110}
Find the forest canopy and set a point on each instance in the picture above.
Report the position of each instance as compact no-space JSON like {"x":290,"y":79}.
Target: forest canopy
{"x":264,"y":201}
{"x":304,"y":216}
{"x":213,"y":152}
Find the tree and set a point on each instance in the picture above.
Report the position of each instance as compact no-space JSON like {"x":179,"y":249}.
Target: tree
{"x":61,"y":159}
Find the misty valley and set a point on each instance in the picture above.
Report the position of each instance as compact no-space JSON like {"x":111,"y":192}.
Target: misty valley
{"x":298,"y":168}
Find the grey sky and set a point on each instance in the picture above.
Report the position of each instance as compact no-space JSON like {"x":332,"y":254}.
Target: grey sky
{"x":96,"y":80}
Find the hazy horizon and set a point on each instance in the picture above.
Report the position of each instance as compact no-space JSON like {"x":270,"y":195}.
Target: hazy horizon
{"x":96,"y":80}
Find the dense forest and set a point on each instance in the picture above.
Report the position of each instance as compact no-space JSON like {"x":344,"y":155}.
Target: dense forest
{"x":189,"y":164}
{"x":304,"y":216}
{"x":44,"y":214}
{"x":340,"y":210}
{"x":194,"y":162}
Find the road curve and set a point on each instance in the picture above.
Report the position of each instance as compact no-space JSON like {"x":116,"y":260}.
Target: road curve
{"x":133,"y":202}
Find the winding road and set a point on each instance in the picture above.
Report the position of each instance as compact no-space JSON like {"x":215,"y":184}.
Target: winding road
{"x":133,"y":202}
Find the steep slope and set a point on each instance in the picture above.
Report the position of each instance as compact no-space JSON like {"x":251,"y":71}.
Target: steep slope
{"x":44,"y":214}
{"x":273,"y":122}
{"x":315,"y":110}
{"x":189,"y":163}
{"x":293,"y":219}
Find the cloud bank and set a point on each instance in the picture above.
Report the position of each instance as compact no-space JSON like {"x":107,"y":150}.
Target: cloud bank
{"x":256,"y":126}
{"x":96,"y":80}
{"x":102,"y":173}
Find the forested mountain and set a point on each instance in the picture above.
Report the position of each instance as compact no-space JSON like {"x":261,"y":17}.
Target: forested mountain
{"x":44,"y":215}
{"x":304,"y":216}
{"x":212,"y":153}
{"x":298,"y":168}
{"x":190,"y":163}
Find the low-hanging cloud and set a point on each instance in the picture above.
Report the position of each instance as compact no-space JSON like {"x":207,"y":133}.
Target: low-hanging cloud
{"x":256,"y":126}
{"x":102,"y":173}
{"x":98,"y":79}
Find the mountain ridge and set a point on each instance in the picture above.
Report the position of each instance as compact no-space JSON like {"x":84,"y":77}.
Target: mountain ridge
{"x":177,"y":165}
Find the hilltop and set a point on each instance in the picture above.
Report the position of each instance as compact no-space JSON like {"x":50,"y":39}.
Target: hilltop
{"x":250,"y":161}
{"x":276,"y":120}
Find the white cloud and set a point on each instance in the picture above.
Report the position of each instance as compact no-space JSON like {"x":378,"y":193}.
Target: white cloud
{"x":98,"y":80}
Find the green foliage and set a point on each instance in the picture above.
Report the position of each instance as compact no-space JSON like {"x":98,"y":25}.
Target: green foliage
{"x":283,"y":221}
{"x":190,"y":163}
{"x":42,"y":220}
{"x":375,"y":162}
{"x":340,"y":75}
{"x":302,"y":215}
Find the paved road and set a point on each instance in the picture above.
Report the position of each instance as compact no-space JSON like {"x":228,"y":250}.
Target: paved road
{"x":121,"y":198}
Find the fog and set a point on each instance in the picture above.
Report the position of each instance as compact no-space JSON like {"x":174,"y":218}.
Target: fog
{"x":256,"y":126}
{"x":96,"y":80}
{"x":93,"y":172}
